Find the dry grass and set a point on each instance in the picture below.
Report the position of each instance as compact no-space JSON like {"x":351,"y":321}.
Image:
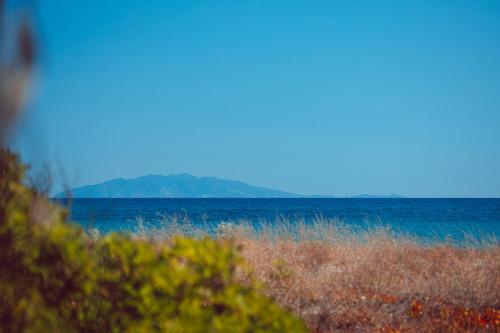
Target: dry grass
{"x":348,"y":282}
{"x":339,"y":280}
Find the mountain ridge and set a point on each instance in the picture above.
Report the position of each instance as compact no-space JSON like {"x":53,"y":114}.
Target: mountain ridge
{"x":185,"y":185}
{"x":181,"y":185}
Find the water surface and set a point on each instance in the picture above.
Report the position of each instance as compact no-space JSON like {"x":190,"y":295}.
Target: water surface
{"x":426,"y":218}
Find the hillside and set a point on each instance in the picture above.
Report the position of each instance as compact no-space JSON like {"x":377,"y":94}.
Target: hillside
{"x":175,"y":186}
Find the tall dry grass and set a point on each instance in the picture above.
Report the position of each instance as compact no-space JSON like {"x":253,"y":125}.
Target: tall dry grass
{"x":341,"y":280}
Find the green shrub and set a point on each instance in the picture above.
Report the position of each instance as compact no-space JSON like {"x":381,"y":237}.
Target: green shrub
{"x":54,"y":278}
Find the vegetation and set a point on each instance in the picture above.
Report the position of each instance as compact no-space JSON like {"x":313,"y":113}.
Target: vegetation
{"x":342,"y":280}
{"x":55,"y":278}
{"x":338,"y":280}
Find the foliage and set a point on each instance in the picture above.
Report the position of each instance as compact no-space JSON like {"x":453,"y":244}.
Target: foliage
{"x":373,"y":282}
{"x":446,"y":318}
{"x":55,"y":278}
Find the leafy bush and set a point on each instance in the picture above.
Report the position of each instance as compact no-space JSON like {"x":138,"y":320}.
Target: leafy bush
{"x":54,"y":278}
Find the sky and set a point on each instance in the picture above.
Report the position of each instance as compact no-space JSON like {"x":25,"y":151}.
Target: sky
{"x":311,"y":97}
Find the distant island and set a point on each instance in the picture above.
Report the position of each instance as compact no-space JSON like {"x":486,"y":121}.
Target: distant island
{"x":175,"y":186}
{"x":185,"y":186}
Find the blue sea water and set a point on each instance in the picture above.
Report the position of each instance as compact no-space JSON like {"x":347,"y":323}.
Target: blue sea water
{"x":436,"y":219}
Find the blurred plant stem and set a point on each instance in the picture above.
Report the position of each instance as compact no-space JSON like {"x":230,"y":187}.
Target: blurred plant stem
{"x":16,"y":63}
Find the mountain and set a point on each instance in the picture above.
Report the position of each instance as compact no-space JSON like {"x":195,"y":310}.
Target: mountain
{"x":371,"y":196}
{"x":187,"y":186}
{"x":175,"y":186}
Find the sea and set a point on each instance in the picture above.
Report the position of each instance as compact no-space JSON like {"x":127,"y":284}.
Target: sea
{"x":426,"y":219}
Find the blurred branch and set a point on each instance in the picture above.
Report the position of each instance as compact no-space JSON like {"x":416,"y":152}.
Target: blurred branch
{"x":15,"y":69}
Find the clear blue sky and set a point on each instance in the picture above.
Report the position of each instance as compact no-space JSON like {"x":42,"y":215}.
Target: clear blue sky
{"x":313,"y":97}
